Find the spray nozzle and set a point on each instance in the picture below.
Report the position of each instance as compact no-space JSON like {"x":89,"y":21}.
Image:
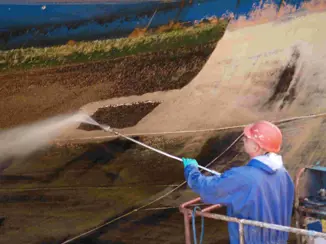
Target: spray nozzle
{"x":106,"y":128}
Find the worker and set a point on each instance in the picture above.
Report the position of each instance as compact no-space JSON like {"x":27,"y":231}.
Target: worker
{"x":262,"y":190}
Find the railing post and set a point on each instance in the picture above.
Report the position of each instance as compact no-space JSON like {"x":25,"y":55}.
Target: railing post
{"x":241,"y":232}
{"x":311,"y":240}
{"x":187,"y":227}
{"x":187,"y":216}
{"x":296,"y":204}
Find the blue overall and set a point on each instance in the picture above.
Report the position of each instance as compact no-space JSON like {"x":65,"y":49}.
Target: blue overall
{"x":262,"y":190}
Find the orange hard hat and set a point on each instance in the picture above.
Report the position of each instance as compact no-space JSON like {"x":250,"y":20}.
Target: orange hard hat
{"x":267,"y":135}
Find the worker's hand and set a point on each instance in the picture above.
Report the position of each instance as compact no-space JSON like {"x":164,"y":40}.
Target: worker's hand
{"x":187,"y":161}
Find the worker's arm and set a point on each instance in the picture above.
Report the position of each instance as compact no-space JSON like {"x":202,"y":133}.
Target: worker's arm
{"x":224,"y":189}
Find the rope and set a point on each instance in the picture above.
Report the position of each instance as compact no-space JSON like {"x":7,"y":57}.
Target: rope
{"x":122,"y":216}
{"x":194,"y":226}
{"x":191,"y":131}
{"x":134,"y":185}
{"x":228,"y":148}
{"x":173,"y":207}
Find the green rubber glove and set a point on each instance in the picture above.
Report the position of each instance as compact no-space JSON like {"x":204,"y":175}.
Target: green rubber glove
{"x":187,"y":161}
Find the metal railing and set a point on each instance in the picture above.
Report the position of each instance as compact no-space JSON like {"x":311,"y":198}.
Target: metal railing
{"x":205,"y":213}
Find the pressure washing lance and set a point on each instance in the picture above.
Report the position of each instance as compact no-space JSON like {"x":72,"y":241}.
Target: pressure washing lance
{"x":109,"y":129}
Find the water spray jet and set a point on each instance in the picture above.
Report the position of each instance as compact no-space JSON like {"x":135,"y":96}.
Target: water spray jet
{"x":24,"y":140}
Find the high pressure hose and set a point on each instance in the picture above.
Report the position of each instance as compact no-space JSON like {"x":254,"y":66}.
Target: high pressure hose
{"x":109,"y":129}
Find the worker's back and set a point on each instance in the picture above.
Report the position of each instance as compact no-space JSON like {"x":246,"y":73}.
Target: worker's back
{"x":269,"y":198}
